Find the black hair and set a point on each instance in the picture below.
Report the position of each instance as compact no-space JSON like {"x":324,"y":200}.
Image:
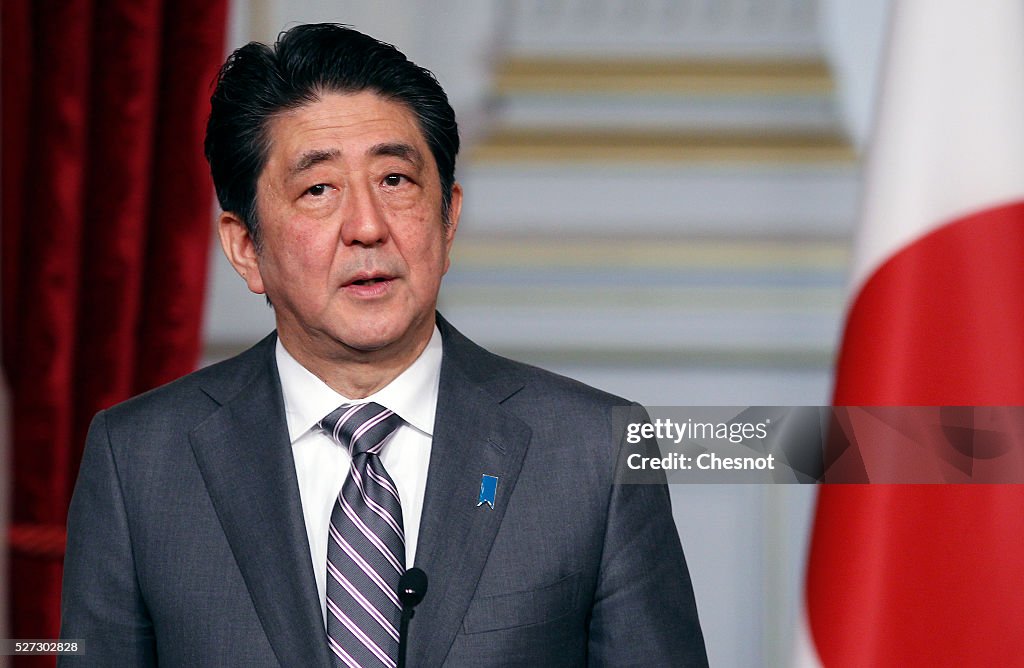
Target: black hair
{"x":258,"y":82}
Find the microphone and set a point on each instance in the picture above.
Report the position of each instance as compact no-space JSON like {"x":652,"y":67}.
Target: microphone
{"x":412,"y":587}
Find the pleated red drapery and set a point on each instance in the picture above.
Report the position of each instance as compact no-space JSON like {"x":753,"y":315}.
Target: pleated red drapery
{"x":107,"y":204}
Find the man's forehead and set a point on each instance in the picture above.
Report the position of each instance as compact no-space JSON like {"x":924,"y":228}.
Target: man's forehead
{"x":354,"y":121}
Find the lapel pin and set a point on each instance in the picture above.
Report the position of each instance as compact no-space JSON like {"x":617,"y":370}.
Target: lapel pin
{"x":488,"y":489}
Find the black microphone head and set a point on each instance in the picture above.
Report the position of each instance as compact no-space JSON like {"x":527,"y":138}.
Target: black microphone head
{"x":412,"y":587}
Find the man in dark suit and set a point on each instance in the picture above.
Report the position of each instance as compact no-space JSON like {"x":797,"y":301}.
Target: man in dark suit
{"x":260,"y":511}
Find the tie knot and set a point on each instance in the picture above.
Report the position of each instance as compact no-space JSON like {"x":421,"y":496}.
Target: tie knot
{"x":361,"y":428}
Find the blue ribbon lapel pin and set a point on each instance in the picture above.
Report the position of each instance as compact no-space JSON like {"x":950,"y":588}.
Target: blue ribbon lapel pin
{"x":488,"y":490}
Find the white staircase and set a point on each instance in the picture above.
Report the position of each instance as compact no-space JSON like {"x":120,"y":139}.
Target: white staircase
{"x":659,"y":186}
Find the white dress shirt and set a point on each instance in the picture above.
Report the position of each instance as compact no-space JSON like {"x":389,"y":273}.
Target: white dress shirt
{"x":322,"y":465}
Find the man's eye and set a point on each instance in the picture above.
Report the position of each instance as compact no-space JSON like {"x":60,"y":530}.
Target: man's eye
{"x":393,"y":180}
{"x":318,"y":190}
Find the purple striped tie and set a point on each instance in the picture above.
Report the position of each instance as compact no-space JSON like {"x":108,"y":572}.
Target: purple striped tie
{"x":366,"y":550}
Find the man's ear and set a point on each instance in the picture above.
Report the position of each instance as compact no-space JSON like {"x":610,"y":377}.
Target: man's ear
{"x":240,"y":250}
{"x":454,"y":211}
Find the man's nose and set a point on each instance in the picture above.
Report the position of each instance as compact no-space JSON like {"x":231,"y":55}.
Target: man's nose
{"x":364,"y":221}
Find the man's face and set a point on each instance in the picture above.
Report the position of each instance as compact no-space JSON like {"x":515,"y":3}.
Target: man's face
{"x":353,"y":247}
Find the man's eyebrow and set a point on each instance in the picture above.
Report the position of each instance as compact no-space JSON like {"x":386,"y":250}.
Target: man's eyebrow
{"x":401,"y":150}
{"x":312,"y":158}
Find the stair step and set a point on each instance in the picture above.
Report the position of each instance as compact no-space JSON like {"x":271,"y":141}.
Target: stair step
{"x":691,"y":113}
{"x":603,"y":145}
{"x":784,"y":201}
{"x":568,"y":76}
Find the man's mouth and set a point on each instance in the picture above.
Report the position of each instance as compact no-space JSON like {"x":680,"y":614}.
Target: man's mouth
{"x":369,"y":285}
{"x":368,"y":278}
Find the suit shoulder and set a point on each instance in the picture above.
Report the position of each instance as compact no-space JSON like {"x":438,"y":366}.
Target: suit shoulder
{"x":505,"y":377}
{"x":563,"y":388}
{"x":512,"y":382}
{"x":190,"y":398}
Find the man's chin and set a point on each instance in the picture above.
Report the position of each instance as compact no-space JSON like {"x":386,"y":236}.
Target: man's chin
{"x":377,"y":343}
{"x":367,"y":347}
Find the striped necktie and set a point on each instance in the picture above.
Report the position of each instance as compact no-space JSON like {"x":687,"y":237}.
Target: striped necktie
{"x":366,"y":549}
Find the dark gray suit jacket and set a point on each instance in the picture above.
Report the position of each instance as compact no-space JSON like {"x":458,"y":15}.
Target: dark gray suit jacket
{"x":186,"y":539}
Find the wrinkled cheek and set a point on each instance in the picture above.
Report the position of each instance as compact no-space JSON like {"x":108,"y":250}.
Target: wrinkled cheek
{"x":307,"y":253}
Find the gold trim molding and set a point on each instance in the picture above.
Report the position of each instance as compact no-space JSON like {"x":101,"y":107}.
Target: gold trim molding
{"x":634,"y":75}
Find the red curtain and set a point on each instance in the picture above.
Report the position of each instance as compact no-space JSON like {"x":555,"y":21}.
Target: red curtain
{"x":107,"y":204}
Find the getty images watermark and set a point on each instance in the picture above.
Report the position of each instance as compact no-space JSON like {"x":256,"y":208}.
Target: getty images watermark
{"x":664,"y":429}
{"x":820,"y":444}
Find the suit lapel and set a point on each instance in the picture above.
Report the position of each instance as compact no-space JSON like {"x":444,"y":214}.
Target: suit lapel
{"x":244,"y":455}
{"x":473,"y":436}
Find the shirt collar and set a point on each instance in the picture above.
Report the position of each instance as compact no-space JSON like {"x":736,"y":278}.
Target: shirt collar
{"x":412,"y":395}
